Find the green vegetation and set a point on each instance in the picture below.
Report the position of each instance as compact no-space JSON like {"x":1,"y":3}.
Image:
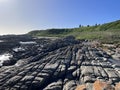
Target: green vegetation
{"x":106,"y":33}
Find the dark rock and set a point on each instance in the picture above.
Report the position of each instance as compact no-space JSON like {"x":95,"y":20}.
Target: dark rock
{"x":9,"y":62}
{"x":13,"y":80}
{"x":59,"y":64}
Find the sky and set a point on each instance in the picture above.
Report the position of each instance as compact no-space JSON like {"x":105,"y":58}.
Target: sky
{"x":22,"y":16}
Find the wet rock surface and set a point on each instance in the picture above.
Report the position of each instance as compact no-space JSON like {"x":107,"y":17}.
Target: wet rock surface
{"x":62,"y":64}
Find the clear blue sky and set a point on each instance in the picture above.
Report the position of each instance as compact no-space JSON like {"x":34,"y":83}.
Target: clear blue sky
{"x":21,"y":16}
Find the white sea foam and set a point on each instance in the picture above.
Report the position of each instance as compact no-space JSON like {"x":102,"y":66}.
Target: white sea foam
{"x":5,"y":57}
{"x":18,"y":49}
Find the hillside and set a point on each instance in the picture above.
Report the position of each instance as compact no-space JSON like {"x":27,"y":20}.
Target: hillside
{"x":107,"y":33}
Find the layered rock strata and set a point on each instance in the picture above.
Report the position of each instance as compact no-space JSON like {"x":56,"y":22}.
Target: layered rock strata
{"x":62,"y":64}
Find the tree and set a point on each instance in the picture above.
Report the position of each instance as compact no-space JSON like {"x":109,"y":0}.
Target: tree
{"x":80,"y":25}
{"x":88,"y":25}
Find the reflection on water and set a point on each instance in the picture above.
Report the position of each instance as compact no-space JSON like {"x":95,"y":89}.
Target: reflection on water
{"x":28,"y":42}
{"x":1,"y":41}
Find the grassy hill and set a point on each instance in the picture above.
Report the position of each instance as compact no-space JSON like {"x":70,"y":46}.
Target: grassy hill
{"x":106,"y":33}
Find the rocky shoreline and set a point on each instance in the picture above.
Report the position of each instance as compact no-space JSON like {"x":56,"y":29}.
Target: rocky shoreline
{"x":61,"y":64}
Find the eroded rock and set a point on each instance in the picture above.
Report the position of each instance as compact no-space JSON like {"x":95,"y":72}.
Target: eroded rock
{"x":62,"y":64}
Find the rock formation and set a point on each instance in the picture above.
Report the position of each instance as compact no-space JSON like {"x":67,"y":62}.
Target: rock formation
{"x":62,"y":64}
